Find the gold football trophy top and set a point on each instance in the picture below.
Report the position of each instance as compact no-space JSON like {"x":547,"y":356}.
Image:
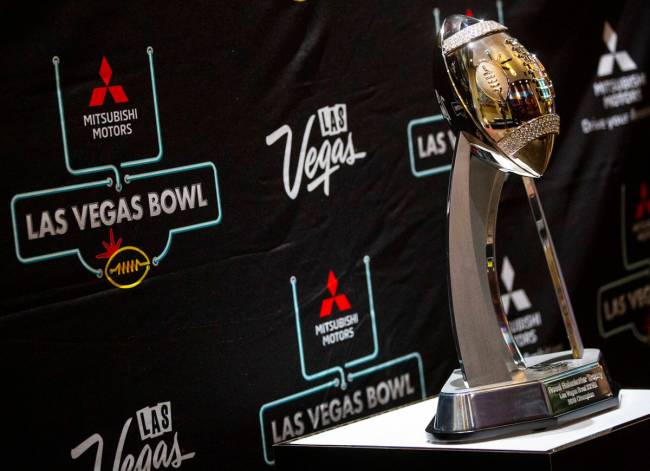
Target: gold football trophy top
{"x":498,"y":92}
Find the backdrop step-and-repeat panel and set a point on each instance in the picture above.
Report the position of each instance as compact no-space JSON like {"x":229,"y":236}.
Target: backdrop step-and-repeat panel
{"x":224,"y":223}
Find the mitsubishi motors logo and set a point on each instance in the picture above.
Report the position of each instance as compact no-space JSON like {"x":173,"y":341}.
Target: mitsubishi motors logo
{"x":525,"y":322}
{"x":341,"y":300}
{"x":619,"y":86}
{"x":518,"y":297}
{"x":116,"y":91}
{"x":622,"y":58}
{"x":111,"y":123}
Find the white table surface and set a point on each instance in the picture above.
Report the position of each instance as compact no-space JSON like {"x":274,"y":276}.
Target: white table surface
{"x":404,"y":428}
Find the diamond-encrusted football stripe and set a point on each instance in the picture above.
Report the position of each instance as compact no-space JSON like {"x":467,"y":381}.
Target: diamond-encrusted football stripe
{"x":470,"y":33}
{"x":522,"y":135}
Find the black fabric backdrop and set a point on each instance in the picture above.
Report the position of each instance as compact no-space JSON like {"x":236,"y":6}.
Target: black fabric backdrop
{"x":227,"y":345}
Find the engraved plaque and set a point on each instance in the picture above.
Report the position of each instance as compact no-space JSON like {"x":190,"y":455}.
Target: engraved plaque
{"x":578,"y":389}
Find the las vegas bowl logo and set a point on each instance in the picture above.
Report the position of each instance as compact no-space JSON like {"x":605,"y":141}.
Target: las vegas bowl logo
{"x":126,"y":266}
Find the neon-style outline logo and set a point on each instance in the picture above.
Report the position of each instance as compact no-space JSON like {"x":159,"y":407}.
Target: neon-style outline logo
{"x":631,"y":325}
{"x":629,"y":265}
{"x":112,"y":182}
{"x":132,"y":265}
{"x":341,"y":380}
{"x":412,"y":158}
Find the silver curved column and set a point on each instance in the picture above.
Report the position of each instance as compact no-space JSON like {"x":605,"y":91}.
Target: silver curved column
{"x":561,"y":292}
{"x":487,"y":351}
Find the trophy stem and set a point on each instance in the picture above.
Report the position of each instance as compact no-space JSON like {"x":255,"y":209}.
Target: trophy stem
{"x":487,"y":351}
{"x":570,"y":324}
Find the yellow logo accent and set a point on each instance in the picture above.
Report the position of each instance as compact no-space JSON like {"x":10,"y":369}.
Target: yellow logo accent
{"x":127,"y":267}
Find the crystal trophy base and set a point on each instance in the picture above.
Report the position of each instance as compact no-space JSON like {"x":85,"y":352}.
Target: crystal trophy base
{"x":553,"y":389}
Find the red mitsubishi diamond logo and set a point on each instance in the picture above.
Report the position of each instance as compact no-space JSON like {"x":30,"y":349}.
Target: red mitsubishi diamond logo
{"x":116,"y":91}
{"x":643,"y":207}
{"x":341,"y":300}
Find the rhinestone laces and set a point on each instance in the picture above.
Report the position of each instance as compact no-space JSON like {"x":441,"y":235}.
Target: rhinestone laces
{"x":470,"y":33}
{"x":522,"y":135}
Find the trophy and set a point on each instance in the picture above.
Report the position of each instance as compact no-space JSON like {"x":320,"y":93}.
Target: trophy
{"x":499,"y":101}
